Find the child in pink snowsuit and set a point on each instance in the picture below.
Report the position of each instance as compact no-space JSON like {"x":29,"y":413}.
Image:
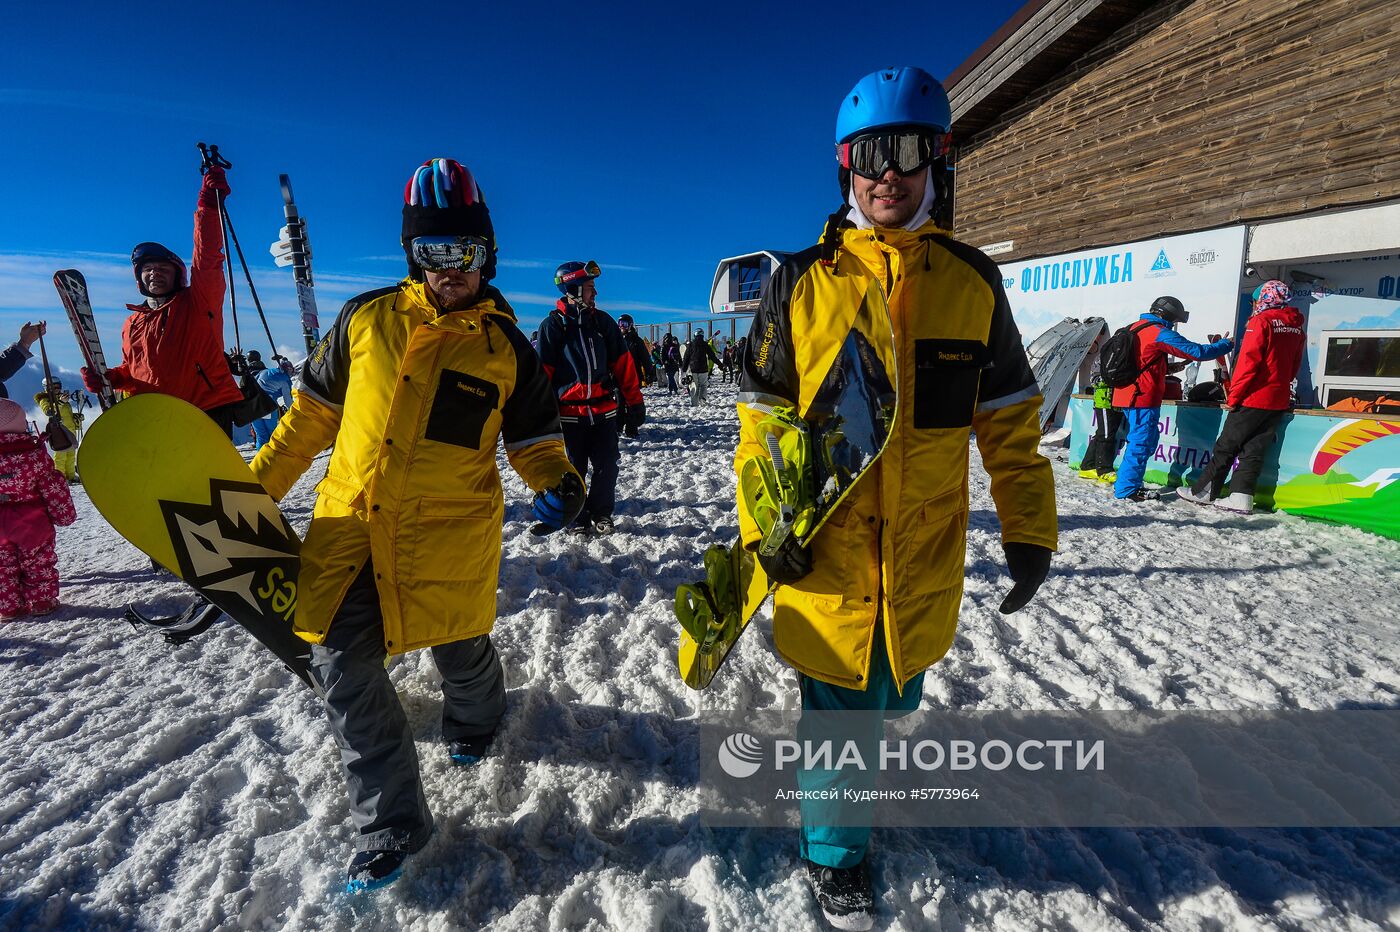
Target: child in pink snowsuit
{"x":33,"y":498}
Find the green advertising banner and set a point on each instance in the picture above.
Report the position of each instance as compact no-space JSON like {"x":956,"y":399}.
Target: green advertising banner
{"x":1343,"y":468}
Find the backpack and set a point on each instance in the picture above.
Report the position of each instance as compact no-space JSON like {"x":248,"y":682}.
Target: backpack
{"x":1118,"y":358}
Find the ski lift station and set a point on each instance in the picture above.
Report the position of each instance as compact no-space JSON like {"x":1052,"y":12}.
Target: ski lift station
{"x":739,"y":281}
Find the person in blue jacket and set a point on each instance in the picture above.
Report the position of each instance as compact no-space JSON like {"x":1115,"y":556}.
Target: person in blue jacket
{"x":1141,"y":400}
{"x":277,"y":385}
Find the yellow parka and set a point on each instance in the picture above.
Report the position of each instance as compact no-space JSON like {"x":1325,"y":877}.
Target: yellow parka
{"x":414,"y":402}
{"x":895,"y":548}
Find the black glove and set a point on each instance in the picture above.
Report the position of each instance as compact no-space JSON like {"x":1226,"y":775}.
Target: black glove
{"x":557,"y":507}
{"x":791,"y":563}
{"x":1028,"y":565}
{"x":636,"y":417}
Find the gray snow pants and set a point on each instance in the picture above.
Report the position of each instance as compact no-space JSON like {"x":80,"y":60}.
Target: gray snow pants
{"x":377,"y":753}
{"x":702,"y":382}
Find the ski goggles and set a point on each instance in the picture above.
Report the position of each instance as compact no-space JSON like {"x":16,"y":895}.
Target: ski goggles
{"x":589,"y":272}
{"x":447,"y":253}
{"x":906,"y":151}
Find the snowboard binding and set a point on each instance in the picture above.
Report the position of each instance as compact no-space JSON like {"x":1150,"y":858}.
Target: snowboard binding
{"x":778,"y":488}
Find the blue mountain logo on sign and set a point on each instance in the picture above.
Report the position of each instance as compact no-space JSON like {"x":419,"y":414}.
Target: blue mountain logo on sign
{"x":1161,"y":265}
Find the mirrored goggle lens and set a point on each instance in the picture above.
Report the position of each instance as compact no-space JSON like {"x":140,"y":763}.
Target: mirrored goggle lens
{"x":444,"y":253}
{"x":906,"y":153}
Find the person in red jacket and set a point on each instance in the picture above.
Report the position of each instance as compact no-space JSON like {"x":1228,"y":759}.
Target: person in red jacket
{"x":1141,"y":401}
{"x":1260,"y":392}
{"x":174,"y":342}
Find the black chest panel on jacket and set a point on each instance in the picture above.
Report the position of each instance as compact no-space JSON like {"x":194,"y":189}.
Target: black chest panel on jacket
{"x":460,"y":408}
{"x":946,"y":377}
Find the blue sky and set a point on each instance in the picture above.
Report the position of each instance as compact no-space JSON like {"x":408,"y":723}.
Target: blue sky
{"x":654,"y":139}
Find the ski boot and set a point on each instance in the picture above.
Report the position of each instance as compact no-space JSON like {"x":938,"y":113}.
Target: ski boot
{"x":1188,"y":494}
{"x":370,"y":870}
{"x":845,"y":895}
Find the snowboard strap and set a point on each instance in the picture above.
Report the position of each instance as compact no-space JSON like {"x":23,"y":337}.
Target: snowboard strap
{"x":177,"y":629}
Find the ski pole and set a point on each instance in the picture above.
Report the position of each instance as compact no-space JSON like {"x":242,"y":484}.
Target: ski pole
{"x":48,"y":375}
{"x":211,"y":156}
{"x":272,"y":344}
{"x":225,"y":229}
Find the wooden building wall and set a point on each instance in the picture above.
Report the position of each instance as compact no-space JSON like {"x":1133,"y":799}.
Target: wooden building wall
{"x":1198,"y":114}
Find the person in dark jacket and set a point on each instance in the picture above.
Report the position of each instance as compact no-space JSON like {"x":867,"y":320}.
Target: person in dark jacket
{"x":174,"y":342}
{"x":1260,"y":392}
{"x":587,"y":362}
{"x":699,"y":357}
{"x":1141,"y":401}
{"x":671,"y":361}
{"x":14,"y":356}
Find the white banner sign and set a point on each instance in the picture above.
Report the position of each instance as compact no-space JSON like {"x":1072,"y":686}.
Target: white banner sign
{"x":1119,"y":283}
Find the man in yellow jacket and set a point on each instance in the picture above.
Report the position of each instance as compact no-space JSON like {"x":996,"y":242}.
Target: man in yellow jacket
{"x":873,"y":602}
{"x":414,"y":386}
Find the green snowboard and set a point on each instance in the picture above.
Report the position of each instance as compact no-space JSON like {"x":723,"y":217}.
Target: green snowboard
{"x":170,"y":481}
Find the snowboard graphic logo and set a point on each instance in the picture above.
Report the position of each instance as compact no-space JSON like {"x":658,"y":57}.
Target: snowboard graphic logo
{"x":238,"y":544}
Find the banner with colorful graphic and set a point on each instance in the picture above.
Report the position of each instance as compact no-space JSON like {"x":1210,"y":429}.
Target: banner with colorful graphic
{"x":1344,"y":469}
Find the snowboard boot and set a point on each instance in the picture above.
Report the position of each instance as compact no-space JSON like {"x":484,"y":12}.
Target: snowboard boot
{"x":1088,"y":474}
{"x":370,"y":870}
{"x":1188,"y":494}
{"x":845,"y":895}
{"x":1239,"y":502}
{"x":1108,"y":478}
{"x":467,"y":751}
{"x":603,"y":526}
{"x":1142,"y":495}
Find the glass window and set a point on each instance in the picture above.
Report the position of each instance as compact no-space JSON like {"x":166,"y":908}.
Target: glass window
{"x":746,"y":280}
{"x":1365,"y":357}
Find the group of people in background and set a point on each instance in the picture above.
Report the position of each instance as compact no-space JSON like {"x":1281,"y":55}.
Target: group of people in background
{"x":1255,"y":397}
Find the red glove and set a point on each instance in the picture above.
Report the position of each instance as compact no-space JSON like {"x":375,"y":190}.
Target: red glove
{"x":90,"y":380}
{"x":214,"y":180}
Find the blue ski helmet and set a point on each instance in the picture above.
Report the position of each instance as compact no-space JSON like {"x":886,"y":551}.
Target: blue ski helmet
{"x":570,"y":275}
{"x":155,"y":252}
{"x":905,"y":96}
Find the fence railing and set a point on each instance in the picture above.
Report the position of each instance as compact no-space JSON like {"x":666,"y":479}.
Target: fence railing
{"x":731,"y":326}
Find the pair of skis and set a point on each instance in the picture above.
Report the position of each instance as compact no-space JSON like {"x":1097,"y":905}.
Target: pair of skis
{"x":73,"y":292}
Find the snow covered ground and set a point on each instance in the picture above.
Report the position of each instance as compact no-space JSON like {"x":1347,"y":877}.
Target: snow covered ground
{"x":198,"y":787}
